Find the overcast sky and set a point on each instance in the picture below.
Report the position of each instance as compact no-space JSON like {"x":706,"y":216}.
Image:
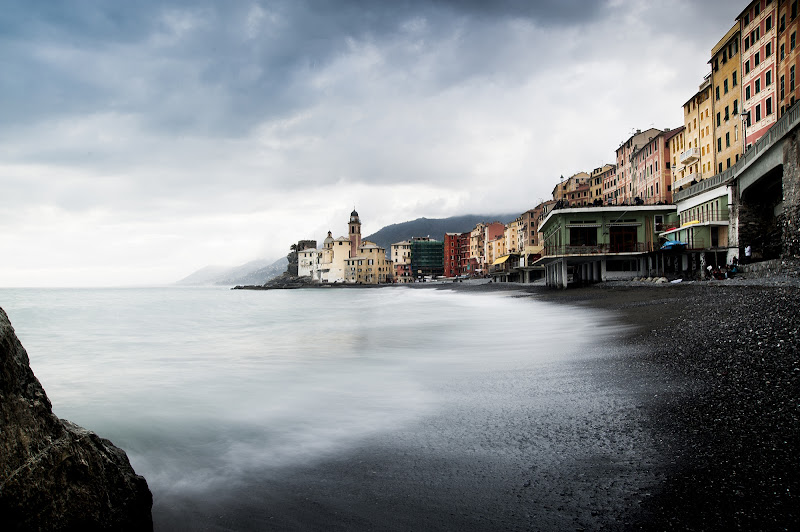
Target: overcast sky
{"x":140,"y":141}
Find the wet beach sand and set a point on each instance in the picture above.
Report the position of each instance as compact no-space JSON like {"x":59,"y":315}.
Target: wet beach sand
{"x":726,"y":357}
{"x":691,"y":422}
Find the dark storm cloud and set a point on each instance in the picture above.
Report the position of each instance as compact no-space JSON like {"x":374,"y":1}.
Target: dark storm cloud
{"x":193,"y":66}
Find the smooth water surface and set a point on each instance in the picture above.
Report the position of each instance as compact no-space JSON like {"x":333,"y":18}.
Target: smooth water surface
{"x":204,"y":386}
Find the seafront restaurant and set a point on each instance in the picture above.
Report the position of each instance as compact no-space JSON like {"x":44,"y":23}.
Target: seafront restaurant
{"x":596,"y":244}
{"x":702,"y":225}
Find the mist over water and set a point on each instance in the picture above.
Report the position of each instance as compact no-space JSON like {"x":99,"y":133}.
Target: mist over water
{"x":204,"y":386}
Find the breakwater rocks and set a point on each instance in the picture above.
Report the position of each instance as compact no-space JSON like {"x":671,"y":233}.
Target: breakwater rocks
{"x":55,"y":475}
{"x":283,"y":282}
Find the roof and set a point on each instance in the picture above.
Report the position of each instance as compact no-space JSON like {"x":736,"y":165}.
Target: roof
{"x":723,"y":42}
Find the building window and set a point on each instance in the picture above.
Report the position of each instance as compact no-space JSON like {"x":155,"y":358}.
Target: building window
{"x":792,"y":41}
{"x":719,"y":144}
{"x":769,"y":106}
{"x":717,"y":91}
{"x":791,"y":79}
{"x":768,"y":50}
{"x":747,"y":67}
{"x":727,"y":117}
{"x":758,"y":86}
{"x":758,"y":113}
{"x":718,"y":122}
{"x":747,"y":92}
{"x":725,"y":86}
{"x":746,"y":41}
{"x":783,"y":52}
{"x":758,"y":58}
{"x":768,"y":24}
{"x":733,"y":79}
{"x":735,"y":107}
{"x":727,"y":140}
{"x":783,"y":81}
{"x":720,"y":168}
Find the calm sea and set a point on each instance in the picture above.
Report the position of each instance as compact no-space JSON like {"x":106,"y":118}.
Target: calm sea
{"x":203,"y":387}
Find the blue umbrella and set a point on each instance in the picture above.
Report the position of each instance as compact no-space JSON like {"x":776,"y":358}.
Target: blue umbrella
{"x":673,"y":244}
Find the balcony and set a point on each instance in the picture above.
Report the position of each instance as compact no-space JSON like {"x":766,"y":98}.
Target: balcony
{"x":599,"y":249}
{"x":689,"y":156}
{"x":687,"y":180}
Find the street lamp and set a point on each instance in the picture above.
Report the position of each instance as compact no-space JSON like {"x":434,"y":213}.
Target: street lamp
{"x":745,"y":121}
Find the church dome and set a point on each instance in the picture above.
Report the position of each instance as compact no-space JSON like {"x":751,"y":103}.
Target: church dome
{"x":354,"y":214}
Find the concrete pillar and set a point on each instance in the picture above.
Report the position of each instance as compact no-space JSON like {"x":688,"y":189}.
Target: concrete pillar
{"x":703,"y":270}
{"x":563,"y":280}
{"x":603,"y":274}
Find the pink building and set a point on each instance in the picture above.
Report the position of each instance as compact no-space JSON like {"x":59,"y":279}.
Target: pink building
{"x":622,"y":193}
{"x":652,"y":181}
{"x":758,"y":26}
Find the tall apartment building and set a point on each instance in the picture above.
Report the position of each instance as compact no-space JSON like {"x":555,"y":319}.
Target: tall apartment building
{"x":477,"y":247}
{"x":652,"y":182}
{"x":758,"y":25}
{"x":788,"y":55}
{"x":697,"y":160}
{"x":677,"y":145}
{"x":726,"y":81}
{"x":623,"y":191}
{"x":511,"y":236}
{"x":597,"y":183}
{"x":455,"y":245}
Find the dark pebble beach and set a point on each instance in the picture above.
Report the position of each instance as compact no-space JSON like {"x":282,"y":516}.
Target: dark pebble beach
{"x":696,"y":428}
{"x":727,"y":356}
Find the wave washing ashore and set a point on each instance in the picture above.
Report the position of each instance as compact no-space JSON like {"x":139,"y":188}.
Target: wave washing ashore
{"x":478,"y":408}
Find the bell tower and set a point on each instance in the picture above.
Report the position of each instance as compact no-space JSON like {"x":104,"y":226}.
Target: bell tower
{"x":354,"y":232}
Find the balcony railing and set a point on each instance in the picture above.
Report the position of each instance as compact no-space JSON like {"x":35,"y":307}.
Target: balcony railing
{"x":599,"y":249}
{"x":705,"y":217}
{"x":687,"y":179}
{"x":689,"y":156}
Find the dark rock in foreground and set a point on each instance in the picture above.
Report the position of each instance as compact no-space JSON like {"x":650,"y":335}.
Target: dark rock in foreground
{"x":55,"y":475}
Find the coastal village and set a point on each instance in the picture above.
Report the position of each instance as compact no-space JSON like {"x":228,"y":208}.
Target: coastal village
{"x":716,"y":189}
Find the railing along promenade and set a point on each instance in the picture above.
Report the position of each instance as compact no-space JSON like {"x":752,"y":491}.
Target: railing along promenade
{"x":786,"y":123}
{"x":598,"y":249}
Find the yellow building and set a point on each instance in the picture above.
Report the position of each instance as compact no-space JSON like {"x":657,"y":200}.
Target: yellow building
{"x":369,"y":265}
{"x":600,"y":178}
{"x":511,"y":236}
{"x":677,"y":144}
{"x":477,"y":246}
{"x":726,"y":80}
{"x":697,"y":160}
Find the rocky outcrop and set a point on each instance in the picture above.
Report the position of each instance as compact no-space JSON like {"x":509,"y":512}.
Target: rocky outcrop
{"x":55,"y":475}
{"x":282,"y":282}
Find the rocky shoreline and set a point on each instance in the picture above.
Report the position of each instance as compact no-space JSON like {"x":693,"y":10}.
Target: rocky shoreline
{"x":55,"y":475}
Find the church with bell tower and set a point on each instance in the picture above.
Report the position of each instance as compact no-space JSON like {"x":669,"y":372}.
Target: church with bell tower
{"x":346,"y":259}
{"x":354,"y":232}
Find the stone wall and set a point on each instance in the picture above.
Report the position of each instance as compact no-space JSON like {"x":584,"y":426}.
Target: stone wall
{"x":790,"y":220}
